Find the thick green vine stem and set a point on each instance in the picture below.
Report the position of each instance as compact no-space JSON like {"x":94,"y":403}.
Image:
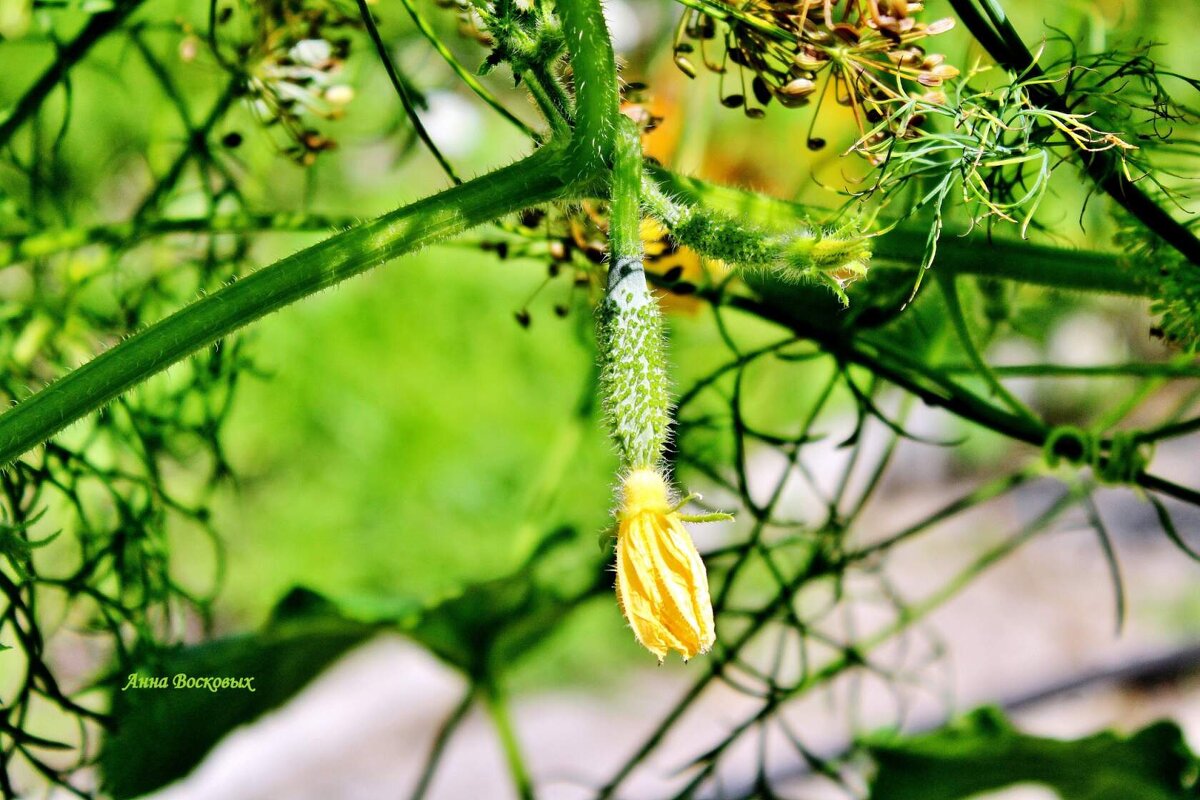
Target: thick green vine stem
{"x":834,"y":258}
{"x":633,"y":377}
{"x":558,"y":170}
{"x":594,"y":69}
{"x":1024,"y":262}
{"x":536,"y":179}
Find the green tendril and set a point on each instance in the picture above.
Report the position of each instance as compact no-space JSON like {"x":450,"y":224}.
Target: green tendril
{"x":1121,"y":462}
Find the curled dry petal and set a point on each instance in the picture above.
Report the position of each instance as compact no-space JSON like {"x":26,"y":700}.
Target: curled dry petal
{"x":661,"y":581}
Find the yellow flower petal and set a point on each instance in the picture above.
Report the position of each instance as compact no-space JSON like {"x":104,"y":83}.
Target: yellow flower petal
{"x":661,"y":581}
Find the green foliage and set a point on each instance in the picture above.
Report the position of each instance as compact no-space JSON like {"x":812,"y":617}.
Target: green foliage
{"x":160,"y":734}
{"x":983,"y":752}
{"x":384,"y":470}
{"x":1176,"y":282}
{"x":488,"y":627}
{"x":482,"y":631}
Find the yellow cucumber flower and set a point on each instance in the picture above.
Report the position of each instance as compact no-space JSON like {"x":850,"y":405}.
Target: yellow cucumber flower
{"x":661,"y":581}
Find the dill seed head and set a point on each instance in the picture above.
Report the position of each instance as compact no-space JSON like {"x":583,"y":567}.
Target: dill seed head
{"x":870,"y":51}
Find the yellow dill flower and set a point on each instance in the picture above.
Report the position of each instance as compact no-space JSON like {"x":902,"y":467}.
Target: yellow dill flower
{"x":661,"y":581}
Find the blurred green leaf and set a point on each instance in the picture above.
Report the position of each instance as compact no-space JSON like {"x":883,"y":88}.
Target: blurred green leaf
{"x":982,"y":752}
{"x":492,"y":624}
{"x":163,"y":733}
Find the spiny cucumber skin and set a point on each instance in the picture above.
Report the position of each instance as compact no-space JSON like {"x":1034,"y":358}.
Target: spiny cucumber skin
{"x":633,"y":375}
{"x":724,"y":238}
{"x":828,"y":257}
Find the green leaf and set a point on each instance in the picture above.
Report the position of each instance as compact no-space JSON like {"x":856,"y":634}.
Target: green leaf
{"x":162,"y":733}
{"x":491,"y":624}
{"x":484,"y":627}
{"x":982,"y":752}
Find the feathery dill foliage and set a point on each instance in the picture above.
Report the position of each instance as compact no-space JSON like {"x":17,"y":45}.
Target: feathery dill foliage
{"x":1175,"y":282}
{"x":94,"y":523}
{"x":995,"y":149}
{"x":95,"y":516}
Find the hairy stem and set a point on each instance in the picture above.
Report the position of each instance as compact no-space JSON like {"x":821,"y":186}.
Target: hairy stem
{"x":625,"y":215}
{"x":1023,"y":262}
{"x":594,"y":66}
{"x":536,"y":179}
{"x":550,"y":96}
